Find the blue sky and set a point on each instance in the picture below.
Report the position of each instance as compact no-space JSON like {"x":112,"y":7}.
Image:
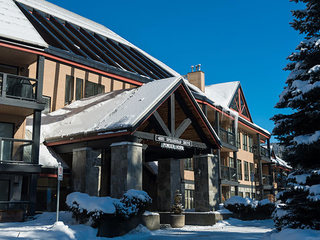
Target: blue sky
{"x":246,"y":41}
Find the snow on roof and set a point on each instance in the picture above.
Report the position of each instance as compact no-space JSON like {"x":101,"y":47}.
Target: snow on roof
{"x":106,"y":112}
{"x":14,"y":25}
{"x":83,"y":22}
{"x":278,"y":161}
{"x":222,"y":93}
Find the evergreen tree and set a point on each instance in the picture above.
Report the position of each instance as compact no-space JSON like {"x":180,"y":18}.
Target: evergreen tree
{"x":299,"y":132}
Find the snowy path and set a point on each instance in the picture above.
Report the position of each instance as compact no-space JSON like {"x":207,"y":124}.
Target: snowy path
{"x":43,"y":227}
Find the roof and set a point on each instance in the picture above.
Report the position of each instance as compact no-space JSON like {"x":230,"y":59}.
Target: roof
{"x":222,"y":93}
{"x":14,"y":25}
{"x":74,"y":34}
{"x":112,"y":111}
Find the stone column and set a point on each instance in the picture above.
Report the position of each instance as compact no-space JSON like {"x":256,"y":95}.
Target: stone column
{"x":169,"y":180}
{"x":86,"y":171}
{"x":126,"y":168}
{"x":206,"y":181}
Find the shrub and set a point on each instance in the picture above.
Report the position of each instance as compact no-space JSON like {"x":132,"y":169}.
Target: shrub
{"x":90,"y":209}
{"x":248,"y":209}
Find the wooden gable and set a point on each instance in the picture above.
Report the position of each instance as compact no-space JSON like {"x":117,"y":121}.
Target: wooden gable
{"x":239,"y":104}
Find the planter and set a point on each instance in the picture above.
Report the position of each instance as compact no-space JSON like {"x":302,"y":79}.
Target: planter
{"x":177,"y":221}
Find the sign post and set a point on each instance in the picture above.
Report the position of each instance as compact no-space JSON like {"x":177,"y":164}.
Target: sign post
{"x":252,"y":179}
{"x":60,"y":178}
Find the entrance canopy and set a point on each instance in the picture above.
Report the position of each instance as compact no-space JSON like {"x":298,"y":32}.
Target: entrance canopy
{"x":162,"y":113}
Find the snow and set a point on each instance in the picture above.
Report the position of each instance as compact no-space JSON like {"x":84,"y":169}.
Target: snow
{"x":307,"y":139}
{"x":91,"y":203}
{"x":294,"y":234}
{"x":264,"y":202}
{"x":300,"y":179}
{"x":222,"y":93}
{"x":147,"y":213}
{"x":43,"y":227}
{"x":239,"y":200}
{"x":80,"y":21}
{"x":280,"y":162}
{"x":112,"y":111}
{"x":314,"y":193}
{"x":14,"y":25}
{"x":141,"y":195}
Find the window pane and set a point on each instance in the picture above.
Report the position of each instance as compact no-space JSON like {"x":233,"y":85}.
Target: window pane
{"x":79,"y":88}
{"x":47,"y":101}
{"x":69,"y":89}
{"x":5,"y":187}
{"x":6,"y":131}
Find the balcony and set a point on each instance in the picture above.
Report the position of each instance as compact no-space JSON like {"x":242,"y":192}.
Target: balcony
{"x":228,"y":139}
{"x":264,"y":153}
{"x":229,"y":173}
{"x":15,"y":150}
{"x":19,"y":87}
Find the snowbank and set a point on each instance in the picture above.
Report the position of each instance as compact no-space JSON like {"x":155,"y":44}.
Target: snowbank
{"x":294,"y":234}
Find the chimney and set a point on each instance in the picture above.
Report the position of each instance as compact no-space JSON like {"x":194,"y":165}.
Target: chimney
{"x":196,"y":77}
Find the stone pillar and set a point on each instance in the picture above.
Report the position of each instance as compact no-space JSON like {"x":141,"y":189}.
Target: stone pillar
{"x":126,"y":168}
{"x":86,"y":171}
{"x":169,"y":180}
{"x":206,"y":181}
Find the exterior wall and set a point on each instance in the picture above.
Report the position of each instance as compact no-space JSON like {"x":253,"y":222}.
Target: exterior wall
{"x":55,"y":80}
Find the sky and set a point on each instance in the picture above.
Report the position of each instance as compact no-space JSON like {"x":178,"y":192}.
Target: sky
{"x":246,"y":41}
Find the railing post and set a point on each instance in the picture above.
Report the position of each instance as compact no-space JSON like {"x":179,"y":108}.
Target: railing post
{"x":1,"y":150}
{"x":40,"y":72}
{"x":4,"y":85}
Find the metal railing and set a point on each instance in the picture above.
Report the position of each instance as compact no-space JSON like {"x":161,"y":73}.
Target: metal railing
{"x":267,"y":180}
{"x":15,"y":150}
{"x":229,"y":173}
{"x":264,"y":152}
{"x":19,"y":87}
{"x":227,"y":137}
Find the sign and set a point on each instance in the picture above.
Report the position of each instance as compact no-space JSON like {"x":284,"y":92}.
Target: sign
{"x":171,"y":140}
{"x":60,"y":172}
{"x":172,"y":146}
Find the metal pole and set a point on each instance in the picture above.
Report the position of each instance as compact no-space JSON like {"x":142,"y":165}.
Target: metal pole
{"x":58,"y":198}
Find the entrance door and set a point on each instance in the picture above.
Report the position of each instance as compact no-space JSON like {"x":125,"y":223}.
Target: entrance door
{"x":6,"y":131}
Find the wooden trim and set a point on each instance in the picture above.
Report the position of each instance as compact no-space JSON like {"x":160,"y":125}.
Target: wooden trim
{"x":50,"y":56}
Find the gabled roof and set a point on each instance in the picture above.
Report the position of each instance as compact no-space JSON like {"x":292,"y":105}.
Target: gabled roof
{"x":14,"y":25}
{"x":115,"y":112}
{"x":222,"y":93}
{"x":69,"y":33}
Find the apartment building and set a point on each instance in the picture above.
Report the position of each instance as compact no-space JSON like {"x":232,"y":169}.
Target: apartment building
{"x":110,"y":124}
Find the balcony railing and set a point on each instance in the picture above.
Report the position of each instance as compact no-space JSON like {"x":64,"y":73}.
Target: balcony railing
{"x":266,"y":179}
{"x":15,"y":150}
{"x":13,"y":86}
{"x":229,"y":173}
{"x":227,"y":137}
{"x":264,"y":152}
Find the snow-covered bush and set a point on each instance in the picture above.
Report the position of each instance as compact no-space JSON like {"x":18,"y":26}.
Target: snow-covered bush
{"x":247,"y":209}
{"x":91,"y":209}
{"x":299,"y":206}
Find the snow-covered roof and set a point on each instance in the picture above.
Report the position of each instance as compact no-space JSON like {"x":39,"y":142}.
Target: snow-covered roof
{"x":14,"y":25}
{"x":90,"y":25}
{"x":106,"y":112}
{"x":278,"y":161}
{"x":222,"y":93}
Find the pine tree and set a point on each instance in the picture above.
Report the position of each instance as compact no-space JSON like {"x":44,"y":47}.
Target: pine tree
{"x":299,"y":132}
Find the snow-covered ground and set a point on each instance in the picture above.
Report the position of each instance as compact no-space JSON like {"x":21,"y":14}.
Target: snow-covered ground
{"x":43,"y":227}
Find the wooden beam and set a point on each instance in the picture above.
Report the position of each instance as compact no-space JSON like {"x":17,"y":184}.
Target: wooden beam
{"x":183,"y":126}
{"x":172,"y":114}
{"x":161,"y":123}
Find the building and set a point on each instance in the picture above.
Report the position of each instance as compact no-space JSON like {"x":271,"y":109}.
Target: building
{"x":117,"y":118}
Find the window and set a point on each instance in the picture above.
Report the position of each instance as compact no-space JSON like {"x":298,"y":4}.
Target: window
{"x":246,"y":171}
{"x":69,"y":89}
{"x":47,"y":101}
{"x":238,"y":140}
{"x":6,"y":131}
{"x":231,"y":162}
{"x":92,"y":89}
{"x":250,"y":143}
{"x":79,"y":88}
{"x":245,"y":141}
{"x":189,"y":199}
{"x":5,"y":190}
{"x":239,"y":169}
{"x":252,"y":172}
{"x":247,"y":194}
{"x":188,"y":164}
{"x":241,"y":194}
